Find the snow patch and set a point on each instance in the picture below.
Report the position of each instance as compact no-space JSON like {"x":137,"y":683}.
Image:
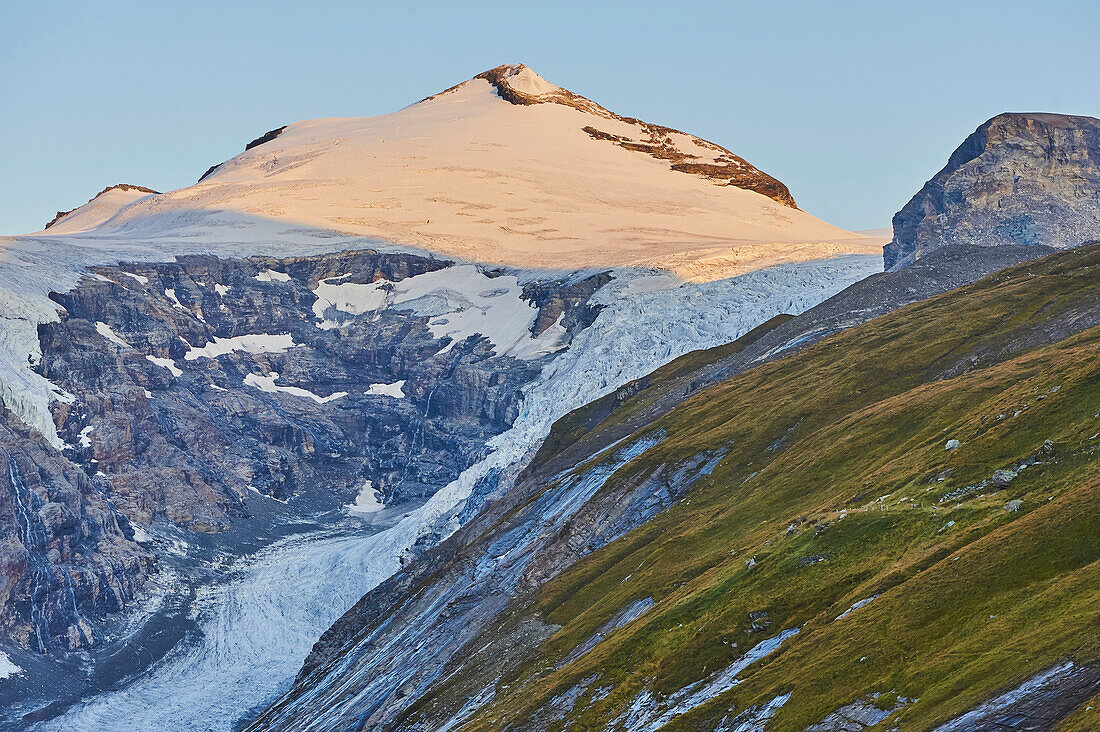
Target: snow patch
{"x":252,"y":343}
{"x":222,"y":290}
{"x":8,"y":667}
{"x":85,"y":436}
{"x":166,"y":363}
{"x":142,"y":279}
{"x":391,"y":390}
{"x":171,"y":295}
{"x":856,"y":606}
{"x":105,"y":330}
{"x":267,"y":384}
{"x":368,"y":501}
{"x":347,"y":297}
{"x":462,"y":301}
{"x":270,"y":275}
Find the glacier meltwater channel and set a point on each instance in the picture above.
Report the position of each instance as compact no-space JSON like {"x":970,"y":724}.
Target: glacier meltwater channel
{"x":257,"y":627}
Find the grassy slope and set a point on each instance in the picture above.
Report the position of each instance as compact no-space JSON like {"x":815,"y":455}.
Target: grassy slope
{"x":963,"y":611}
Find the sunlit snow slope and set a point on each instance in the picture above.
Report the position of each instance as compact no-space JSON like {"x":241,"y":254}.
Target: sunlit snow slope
{"x":542,"y":178}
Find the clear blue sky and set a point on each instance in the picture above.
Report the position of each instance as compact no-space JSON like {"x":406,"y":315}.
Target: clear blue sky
{"x":852,"y":104}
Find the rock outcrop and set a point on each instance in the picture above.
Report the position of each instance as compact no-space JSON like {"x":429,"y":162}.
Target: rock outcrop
{"x":518,"y":84}
{"x":1020,"y":178}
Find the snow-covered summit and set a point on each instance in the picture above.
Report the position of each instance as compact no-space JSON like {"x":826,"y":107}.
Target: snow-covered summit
{"x":504,"y":168}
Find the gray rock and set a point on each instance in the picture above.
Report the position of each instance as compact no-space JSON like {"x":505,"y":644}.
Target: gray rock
{"x":1020,"y":178}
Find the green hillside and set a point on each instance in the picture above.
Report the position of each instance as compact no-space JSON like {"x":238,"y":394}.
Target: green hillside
{"x":837,"y":487}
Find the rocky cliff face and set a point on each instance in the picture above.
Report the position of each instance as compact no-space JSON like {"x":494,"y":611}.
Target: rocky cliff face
{"x":68,"y":559}
{"x":191,"y":390}
{"x":1020,"y":178}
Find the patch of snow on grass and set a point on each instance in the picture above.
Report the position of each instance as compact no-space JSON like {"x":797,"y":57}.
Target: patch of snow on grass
{"x":105,"y":330}
{"x":858,"y":605}
{"x":253,"y":343}
{"x":396,"y":389}
{"x":368,"y":501}
{"x":166,"y":363}
{"x":267,"y":384}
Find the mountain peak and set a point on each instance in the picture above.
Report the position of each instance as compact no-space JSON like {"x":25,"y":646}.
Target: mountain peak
{"x":1021,"y":178}
{"x":504,"y":168}
{"x":127,"y":193}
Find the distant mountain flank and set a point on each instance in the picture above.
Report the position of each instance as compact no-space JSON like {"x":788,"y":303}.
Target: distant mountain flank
{"x":1021,"y":178}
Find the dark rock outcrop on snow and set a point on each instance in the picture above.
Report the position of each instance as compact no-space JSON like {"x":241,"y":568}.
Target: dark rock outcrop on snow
{"x":266,"y":137}
{"x":651,"y":139}
{"x":1021,"y":178}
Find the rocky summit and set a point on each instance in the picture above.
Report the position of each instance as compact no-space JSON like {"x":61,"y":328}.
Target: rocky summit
{"x":1020,"y":178}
